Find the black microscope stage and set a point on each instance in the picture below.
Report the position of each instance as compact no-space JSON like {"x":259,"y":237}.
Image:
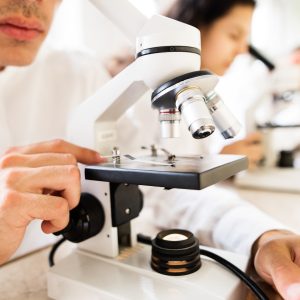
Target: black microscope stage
{"x":188,"y":172}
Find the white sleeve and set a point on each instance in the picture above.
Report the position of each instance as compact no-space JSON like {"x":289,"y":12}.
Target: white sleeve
{"x":216,"y":216}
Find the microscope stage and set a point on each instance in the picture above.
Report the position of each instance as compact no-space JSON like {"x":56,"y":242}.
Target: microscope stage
{"x":188,"y":172}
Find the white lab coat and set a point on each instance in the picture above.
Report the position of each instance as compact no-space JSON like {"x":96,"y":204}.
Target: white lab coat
{"x":35,"y":103}
{"x":37,"y":100}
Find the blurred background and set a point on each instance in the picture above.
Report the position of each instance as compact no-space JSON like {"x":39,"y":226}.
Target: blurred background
{"x":275,"y":33}
{"x":275,"y":29}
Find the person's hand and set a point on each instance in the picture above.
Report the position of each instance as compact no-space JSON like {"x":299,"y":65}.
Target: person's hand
{"x":39,"y":181}
{"x":251,"y":146}
{"x":277,"y":261}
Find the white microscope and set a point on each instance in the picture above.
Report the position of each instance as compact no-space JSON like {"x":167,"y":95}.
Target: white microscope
{"x":109,"y":263}
{"x":276,"y":115}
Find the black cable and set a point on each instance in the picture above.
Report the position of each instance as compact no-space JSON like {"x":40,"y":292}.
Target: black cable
{"x":144,"y":239}
{"x":239,"y":273}
{"x":53,"y":250}
{"x":255,"y":53}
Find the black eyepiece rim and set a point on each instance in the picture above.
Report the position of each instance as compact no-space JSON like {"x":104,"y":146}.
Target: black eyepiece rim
{"x":166,"y":49}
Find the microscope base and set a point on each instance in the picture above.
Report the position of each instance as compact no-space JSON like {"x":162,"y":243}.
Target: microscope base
{"x":272,"y":179}
{"x":83,"y":275}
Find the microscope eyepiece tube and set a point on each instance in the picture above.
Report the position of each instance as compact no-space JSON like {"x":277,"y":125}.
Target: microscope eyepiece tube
{"x":191,"y":103}
{"x":169,"y":123}
{"x":225,"y":121}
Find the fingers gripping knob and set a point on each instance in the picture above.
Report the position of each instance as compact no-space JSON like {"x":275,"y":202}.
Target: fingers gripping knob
{"x":86,"y":219}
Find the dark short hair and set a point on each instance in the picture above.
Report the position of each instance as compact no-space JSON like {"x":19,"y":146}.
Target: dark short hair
{"x":203,"y":12}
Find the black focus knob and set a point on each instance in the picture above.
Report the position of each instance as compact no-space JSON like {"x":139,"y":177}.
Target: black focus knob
{"x":175,"y":252}
{"x":86,"y":219}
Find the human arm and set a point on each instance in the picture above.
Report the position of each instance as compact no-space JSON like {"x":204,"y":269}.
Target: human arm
{"x":39,"y":181}
{"x":251,"y":146}
{"x":217,"y":216}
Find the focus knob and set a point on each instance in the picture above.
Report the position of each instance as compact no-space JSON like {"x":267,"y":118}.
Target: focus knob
{"x":86,"y":219}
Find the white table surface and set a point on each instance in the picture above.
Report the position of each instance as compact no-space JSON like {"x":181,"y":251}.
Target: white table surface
{"x":26,"y":278}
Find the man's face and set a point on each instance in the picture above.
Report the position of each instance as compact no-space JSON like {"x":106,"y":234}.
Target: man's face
{"x":24,"y":24}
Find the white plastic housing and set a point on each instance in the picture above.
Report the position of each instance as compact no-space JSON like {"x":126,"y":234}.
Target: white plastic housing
{"x":122,"y":14}
{"x":159,"y":68}
{"x":161,"y":31}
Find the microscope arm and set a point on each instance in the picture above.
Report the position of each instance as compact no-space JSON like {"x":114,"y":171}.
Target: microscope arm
{"x":158,"y":36}
{"x":122,"y":14}
{"x":109,"y":103}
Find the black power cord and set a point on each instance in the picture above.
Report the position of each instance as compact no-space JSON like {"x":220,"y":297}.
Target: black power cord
{"x":53,"y":250}
{"x":235,"y":270}
{"x":238,"y":272}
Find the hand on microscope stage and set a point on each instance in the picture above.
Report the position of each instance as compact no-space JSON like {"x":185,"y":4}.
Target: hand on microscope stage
{"x":39,"y":181}
{"x":251,"y":146}
{"x":277,"y":260}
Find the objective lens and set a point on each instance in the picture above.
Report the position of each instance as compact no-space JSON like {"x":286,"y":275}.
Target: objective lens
{"x":225,"y":121}
{"x":169,"y":123}
{"x":191,"y":104}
